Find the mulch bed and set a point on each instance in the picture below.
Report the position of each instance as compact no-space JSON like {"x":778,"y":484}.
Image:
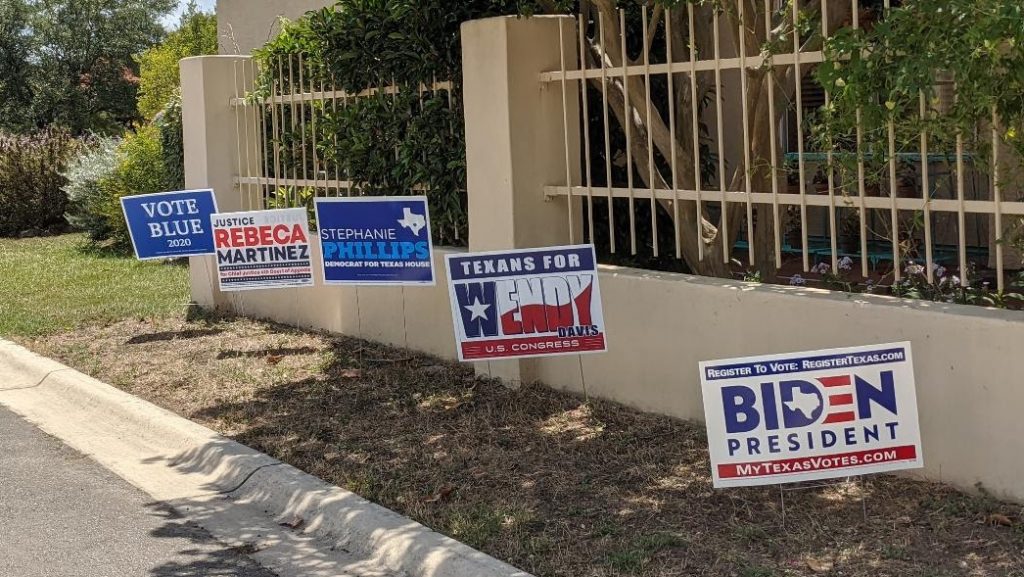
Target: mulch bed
{"x":539,"y":478}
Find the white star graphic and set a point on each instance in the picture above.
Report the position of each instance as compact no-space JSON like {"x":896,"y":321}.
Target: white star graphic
{"x":478,"y":309}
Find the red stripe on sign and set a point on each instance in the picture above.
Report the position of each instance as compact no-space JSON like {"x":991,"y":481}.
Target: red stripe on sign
{"x":786,"y":467}
{"x":840,"y":400}
{"x":840,"y":418}
{"x":531,"y":346}
{"x":843,"y":381}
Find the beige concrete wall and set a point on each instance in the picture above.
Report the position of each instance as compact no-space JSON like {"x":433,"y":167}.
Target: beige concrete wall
{"x":660,"y":326}
{"x":243,"y":25}
{"x":417,"y":318}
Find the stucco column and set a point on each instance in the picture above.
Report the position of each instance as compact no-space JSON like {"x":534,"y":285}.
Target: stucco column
{"x":208,"y":83}
{"x":516,"y":139}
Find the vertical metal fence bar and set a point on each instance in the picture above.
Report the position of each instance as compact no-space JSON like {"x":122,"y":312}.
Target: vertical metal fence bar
{"x":264,"y":170}
{"x":650,"y":134}
{"x":770,"y":79}
{"x":961,"y":207}
{"x":315,"y":105}
{"x":586,"y":127}
{"x":565,"y":126}
{"x":695,"y":120}
{"x":256,"y":142}
{"x":926,"y":192}
{"x":997,"y":197}
{"x":829,"y":157}
{"x":629,"y":133}
{"x":334,"y":135}
{"x":894,"y":209}
{"x":238,"y":137}
{"x":394,"y":102}
{"x":895,"y":213}
{"x":724,"y":232}
{"x":744,"y":93}
{"x":672,"y":133}
{"x":607,"y":133}
{"x":248,"y":139}
{"x":277,"y":121}
{"x":294,"y":126}
{"x":349,"y":177}
{"x":302,"y":127}
{"x":861,"y":185}
{"x":802,"y":177}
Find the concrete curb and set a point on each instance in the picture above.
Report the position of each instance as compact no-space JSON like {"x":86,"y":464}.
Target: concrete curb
{"x":190,"y":466}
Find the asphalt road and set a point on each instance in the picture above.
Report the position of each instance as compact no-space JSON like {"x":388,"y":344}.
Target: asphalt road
{"x":62,"y":515}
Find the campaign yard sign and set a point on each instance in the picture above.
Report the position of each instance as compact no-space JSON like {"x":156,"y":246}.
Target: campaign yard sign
{"x":809,"y":416}
{"x":526,"y":303}
{"x":376,"y":241}
{"x":263,"y":249}
{"x":170,"y":224}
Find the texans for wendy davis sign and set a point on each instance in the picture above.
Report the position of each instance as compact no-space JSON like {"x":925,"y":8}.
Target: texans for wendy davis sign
{"x":807,"y":416}
{"x":263,"y":249}
{"x":170,"y":224}
{"x":376,"y":240}
{"x":526,"y":303}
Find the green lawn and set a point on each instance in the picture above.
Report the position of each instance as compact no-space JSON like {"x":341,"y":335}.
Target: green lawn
{"x":48,"y":285}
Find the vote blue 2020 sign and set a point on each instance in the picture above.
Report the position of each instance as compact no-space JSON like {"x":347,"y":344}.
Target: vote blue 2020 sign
{"x":376,"y":240}
{"x":170,"y":224}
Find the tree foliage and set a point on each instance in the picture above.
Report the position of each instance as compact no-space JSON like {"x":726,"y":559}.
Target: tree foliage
{"x":890,"y":73}
{"x":71,"y":62}
{"x":159,"y":75}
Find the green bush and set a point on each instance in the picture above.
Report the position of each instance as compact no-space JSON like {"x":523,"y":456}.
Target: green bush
{"x":31,"y":180}
{"x":173,"y":142}
{"x":159,"y":79}
{"x":84,"y":175}
{"x":359,"y":44}
{"x":140,"y":170}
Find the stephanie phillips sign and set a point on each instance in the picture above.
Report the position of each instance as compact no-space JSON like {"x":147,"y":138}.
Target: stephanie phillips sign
{"x":170,"y":224}
{"x":263,"y":249}
{"x":808,"y":416}
{"x":526,"y":303}
{"x":376,"y":241}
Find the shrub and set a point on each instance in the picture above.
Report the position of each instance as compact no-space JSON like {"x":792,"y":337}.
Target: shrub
{"x":140,"y":170}
{"x":380,"y":141}
{"x":173,"y":142}
{"x":85,"y":194}
{"x":159,"y":78}
{"x":31,"y":195}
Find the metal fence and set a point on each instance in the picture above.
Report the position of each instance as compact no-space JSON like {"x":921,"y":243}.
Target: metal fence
{"x":660,"y":169}
{"x":961,"y":206}
{"x":285,"y":151}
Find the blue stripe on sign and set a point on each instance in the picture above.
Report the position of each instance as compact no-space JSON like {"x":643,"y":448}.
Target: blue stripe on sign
{"x":294,"y":264}
{"x":804,"y":364}
{"x":461,"y":264}
{"x":266,"y":278}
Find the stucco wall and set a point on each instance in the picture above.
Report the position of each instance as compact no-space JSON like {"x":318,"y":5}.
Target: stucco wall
{"x":243,"y":25}
{"x":660,"y":326}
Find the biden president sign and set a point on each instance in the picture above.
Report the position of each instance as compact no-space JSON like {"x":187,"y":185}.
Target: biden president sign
{"x":810,"y":416}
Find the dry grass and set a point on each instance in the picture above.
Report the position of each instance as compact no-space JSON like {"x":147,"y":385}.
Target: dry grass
{"x":534,"y":477}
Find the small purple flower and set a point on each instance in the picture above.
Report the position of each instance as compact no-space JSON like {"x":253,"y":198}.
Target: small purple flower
{"x":821,"y":268}
{"x":797,"y":280}
{"x":846,"y":263}
{"x":939,"y":270}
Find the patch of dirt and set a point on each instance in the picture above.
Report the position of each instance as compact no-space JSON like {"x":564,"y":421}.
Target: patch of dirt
{"x":535,"y":477}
